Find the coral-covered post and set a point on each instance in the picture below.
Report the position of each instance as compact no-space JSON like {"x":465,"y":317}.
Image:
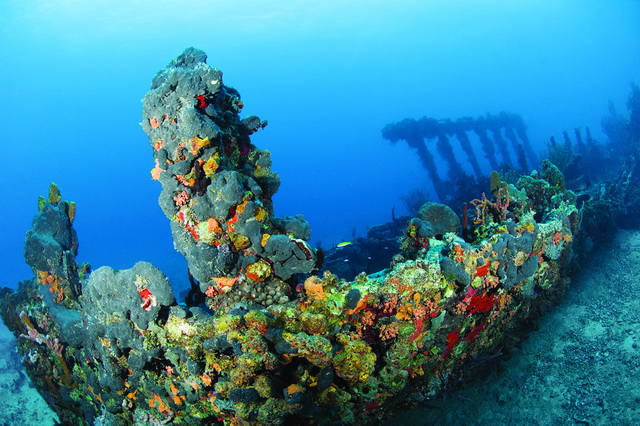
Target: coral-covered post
{"x":217,"y":187}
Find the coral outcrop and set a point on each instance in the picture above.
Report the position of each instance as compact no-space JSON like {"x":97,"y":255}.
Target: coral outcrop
{"x":117,"y":348}
{"x":51,"y":246}
{"x":217,"y":186}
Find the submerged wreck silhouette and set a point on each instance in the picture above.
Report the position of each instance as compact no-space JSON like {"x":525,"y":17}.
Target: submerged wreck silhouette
{"x":489,"y":129}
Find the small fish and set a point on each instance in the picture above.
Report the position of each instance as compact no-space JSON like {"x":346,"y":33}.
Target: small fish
{"x":344,"y":244}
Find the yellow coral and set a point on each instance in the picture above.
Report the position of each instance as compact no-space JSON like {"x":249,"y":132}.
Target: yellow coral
{"x":258,"y":271}
{"x":260,"y":172}
{"x":196,"y":144}
{"x":72,"y":211}
{"x":520,"y":258}
{"x":293,"y":389}
{"x":240,"y":207}
{"x":261,"y":214}
{"x":211,"y":165}
{"x":54,"y":193}
{"x":355,"y":362}
{"x":314,"y":324}
{"x":240,"y":242}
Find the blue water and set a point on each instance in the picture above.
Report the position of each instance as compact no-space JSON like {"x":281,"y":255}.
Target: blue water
{"x":327,"y":75}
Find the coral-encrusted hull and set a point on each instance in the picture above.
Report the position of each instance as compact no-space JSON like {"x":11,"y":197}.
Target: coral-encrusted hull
{"x":333,"y":352}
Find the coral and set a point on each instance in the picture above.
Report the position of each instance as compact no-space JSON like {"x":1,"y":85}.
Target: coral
{"x":51,"y":247}
{"x":315,"y":349}
{"x":355,"y":361}
{"x":276,"y":346}
{"x":313,"y":287}
{"x":441,"y":218}
{"x":216,"y":185}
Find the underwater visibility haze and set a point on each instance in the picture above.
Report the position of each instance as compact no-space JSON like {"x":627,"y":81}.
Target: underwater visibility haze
{"x":467,"y":156}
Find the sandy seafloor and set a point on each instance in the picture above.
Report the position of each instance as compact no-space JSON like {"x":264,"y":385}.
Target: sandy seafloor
{"x":581,"y":366}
